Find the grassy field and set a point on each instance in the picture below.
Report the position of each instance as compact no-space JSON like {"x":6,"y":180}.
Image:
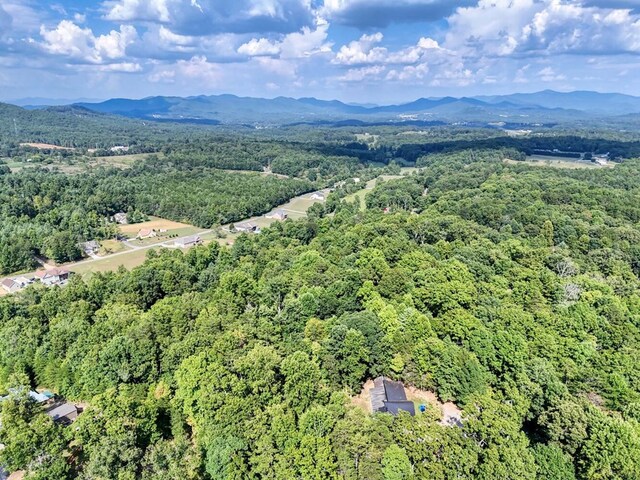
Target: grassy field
{"x":154,"y":223}
{"x":17,"y":165}
{"x":360,"y":194}
{"x":109,"y":247}
{"x":370,"y":185}
{"x":557,"y":162}
{"x":121,"y":161}
{"x":168,"y":236}
{"x":44,"y":146}
{"x":129,"y":260}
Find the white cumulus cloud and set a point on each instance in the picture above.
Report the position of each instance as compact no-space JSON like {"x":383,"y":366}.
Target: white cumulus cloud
{"x":80,"y":44}
{"x":205,"y":17}
{"x":258,"y":48}
{"x":530,"y":27}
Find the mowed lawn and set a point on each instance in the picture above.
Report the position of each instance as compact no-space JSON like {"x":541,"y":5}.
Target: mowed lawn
{"x":155,"y":223}
{"x":129,"y":260}
{"x":370,"y":185}
{"x":109,"y":247}
{"x":167,"y":236}
{"x":173,"y":230}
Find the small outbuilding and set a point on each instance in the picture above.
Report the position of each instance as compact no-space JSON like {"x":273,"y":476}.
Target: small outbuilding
{"x":90,"y":248}
{"x":317,"y":196}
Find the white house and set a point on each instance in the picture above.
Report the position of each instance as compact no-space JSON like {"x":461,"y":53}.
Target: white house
{"x":277,"y":215}
{"x":10,"y":286}
{"x":246,"y":227}
{"x":120,"y":218}
{"x":55,"y":276}
{"x":146,"y":233}
{"x":187,"y":242}
{"x":317,"y":196}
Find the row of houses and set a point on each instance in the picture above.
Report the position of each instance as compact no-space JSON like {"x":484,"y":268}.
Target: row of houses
{"x":54,"y":276}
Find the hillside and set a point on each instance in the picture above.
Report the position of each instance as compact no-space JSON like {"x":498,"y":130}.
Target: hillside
{"x":509,"y":290}
{"x":75,"y":126}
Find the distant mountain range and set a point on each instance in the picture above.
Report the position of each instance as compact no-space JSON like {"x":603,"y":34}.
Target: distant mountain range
{"x":522,"y":108}
{"x":39,"y":102}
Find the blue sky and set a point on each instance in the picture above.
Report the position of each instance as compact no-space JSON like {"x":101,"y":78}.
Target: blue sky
{"x":368,"y":51}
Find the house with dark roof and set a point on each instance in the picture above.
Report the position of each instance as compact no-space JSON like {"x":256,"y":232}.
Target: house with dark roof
{"x":390,"y":397}
{"x":64,"y":414}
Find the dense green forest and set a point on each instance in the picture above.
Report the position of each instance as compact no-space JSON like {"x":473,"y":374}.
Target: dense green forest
{"x":511,"y":290}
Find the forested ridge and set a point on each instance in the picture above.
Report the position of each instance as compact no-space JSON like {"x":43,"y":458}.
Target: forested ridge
{"x":508,"y":289}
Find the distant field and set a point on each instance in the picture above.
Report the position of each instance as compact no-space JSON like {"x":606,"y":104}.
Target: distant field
{"x":557,"y":162}
{"x":16,"y":166}
{"x":154,"y":224}
{"x":122,"y":160}
{"x":370,"y":185}
{"x":44,"y":146}
{"x":79,"y":164}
